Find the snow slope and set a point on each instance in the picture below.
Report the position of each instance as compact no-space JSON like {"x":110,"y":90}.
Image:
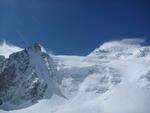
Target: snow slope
{"x":114,"y":78}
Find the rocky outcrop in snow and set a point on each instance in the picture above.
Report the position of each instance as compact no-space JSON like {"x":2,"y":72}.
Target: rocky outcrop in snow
{"x":25,"y":76}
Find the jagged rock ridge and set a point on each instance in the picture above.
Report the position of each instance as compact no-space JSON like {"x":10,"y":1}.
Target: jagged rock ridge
{"x":20,"y":82}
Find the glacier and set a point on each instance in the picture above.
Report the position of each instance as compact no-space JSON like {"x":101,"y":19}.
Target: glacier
{"x":113,"y":78}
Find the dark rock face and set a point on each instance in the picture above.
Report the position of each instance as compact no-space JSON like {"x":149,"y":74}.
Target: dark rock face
{"x":35,"y":47}
{"x":2,"y":63}
{"x":20,"y":60}
{"x":19,"y":81}
{"x":6,"y":82}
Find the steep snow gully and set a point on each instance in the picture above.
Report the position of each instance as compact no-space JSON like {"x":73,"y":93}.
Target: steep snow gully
{"x":114,"y":78}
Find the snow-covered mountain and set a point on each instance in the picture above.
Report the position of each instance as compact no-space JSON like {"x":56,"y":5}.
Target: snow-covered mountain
{"x":114,"y":78}
{"x":26,"y":76}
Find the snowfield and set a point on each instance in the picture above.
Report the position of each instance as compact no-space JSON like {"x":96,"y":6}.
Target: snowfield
{"x":114,"y":78}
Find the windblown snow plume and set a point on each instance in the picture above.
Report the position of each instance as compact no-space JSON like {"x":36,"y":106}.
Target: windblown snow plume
{"x":114,"y":78}
{"x":123,"y":43}
{"x":7,"y":49}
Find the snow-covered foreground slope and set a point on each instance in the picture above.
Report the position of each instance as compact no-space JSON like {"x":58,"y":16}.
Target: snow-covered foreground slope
{"x":114,"y":78}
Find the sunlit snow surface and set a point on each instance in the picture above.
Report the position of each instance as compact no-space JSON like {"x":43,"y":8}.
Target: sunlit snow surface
{"x":114,"y":78}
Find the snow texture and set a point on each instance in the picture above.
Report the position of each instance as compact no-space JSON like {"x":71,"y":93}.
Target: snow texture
{"x":114,"y":78}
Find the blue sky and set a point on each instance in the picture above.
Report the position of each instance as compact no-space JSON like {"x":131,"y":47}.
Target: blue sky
{"x":73,"y":26}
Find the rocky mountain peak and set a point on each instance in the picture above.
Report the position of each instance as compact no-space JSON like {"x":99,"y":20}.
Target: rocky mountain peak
{"x":36,"y":47}
{"x":25,"y":76}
